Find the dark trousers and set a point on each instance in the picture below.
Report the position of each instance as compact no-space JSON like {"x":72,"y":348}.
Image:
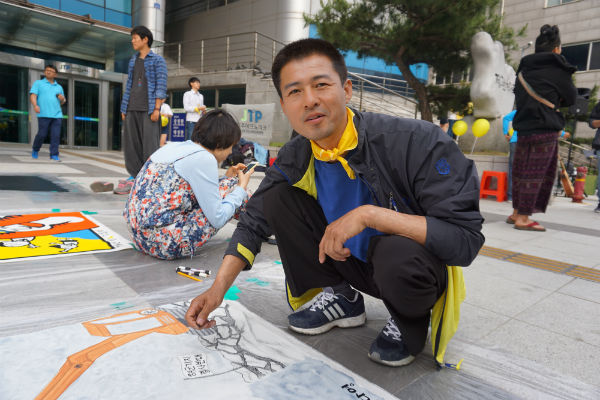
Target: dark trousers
{"x":401,"y":272}
{"x":141,"y":138}
{"x":45,"y":126}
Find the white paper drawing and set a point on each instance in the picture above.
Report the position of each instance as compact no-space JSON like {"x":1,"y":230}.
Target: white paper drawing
{"x":150,"y":353}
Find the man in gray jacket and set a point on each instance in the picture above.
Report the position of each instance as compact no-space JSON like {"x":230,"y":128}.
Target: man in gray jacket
{"x":359,"y":202}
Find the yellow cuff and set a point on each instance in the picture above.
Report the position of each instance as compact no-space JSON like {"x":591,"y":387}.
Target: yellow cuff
{"x":248,"y":255}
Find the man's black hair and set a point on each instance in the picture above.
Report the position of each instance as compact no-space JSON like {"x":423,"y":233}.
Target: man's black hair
{"x":302,"y":49}
{"x":217,"y":129}
{"x":192,"y":80}
{"x":143,"y":32}
{"x":548,"y":39}
{"x":51,"y":67}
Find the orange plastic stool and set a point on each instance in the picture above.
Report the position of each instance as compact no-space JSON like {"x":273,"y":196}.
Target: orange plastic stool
{"x":486,"y":180}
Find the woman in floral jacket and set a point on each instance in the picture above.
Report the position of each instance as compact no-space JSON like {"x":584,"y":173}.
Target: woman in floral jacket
{"x":178,"y":201}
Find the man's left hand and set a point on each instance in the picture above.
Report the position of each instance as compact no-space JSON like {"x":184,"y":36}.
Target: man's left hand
{"x":155,"y":115}
{"x":349,"y":225}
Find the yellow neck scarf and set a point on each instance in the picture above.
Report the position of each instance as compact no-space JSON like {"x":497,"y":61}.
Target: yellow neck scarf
{"x":347,"y":142}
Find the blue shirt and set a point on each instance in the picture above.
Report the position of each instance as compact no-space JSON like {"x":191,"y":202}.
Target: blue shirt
{"x":199,"y":168}
{"x":338,"y":194}
{"x":505,"y":124}
{"x":156,"y":75}
{"x":46,"y":98}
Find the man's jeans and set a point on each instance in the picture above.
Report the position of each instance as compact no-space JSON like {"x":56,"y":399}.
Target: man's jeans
{"x":189,"y":129}
{"x":46,"y":125}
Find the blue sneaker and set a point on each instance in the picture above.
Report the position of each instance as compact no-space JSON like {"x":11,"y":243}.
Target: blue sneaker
{"x":327,"y":311}
{"x":34,"y":154}
{"x":388,"y":347}
{"x":55,"y":158}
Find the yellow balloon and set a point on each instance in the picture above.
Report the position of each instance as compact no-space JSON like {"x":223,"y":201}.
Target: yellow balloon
{"x":459,"y":128}
{"x":164,"y":121}
{"x":480,"y":127}
{"x":511,"y":131}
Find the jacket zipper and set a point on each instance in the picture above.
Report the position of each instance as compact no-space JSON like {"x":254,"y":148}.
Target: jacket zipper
{"x":392,"y":203}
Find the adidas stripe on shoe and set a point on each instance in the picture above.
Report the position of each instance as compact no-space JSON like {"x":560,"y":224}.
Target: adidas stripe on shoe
{"x":327,"y":311}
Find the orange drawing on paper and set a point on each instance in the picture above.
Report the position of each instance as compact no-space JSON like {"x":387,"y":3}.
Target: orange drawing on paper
{"x":120,"y":329}
{"x":32,"y":225}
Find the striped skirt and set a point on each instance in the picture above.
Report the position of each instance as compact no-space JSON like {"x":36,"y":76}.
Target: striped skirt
{"x":533,"y":172}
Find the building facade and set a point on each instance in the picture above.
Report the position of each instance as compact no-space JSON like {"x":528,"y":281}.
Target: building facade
{"x":579,"y":31}
{"x":90,"y":44}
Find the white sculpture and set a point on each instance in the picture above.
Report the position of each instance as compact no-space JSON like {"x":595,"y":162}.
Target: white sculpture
{"x":493,"y":80}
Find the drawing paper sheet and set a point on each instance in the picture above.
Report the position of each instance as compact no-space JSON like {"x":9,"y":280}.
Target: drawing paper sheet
{"x":36,"y":236}
{"x":149,"y":353}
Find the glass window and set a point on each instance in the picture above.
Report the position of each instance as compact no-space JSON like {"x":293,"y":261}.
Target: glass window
{"x":14,"y":104}
{"x":209,"y":97}
{"x":595,"y":59}
{"x":118,"y":18}
{"x":94,"y":2}
{"x":577,"y":55}
{"x":216,"y":3}
{"x":232,"y":96}
{"x":47,"y":3}
{"x":86,"y":114}
{"x":177,"y":98}
{"x":81,"y":8}
{"x":123,"y":6}
{"x":114,"y":115}
{"x":550,"y":3}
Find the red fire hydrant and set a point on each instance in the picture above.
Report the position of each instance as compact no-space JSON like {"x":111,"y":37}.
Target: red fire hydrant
{"x":579,"y":184}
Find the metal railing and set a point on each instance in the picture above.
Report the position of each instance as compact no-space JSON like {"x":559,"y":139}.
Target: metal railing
{"x":251,"y":50}
{"x":382,"y":85}
{"x":255,"y":51}
{"x":390,"y":96}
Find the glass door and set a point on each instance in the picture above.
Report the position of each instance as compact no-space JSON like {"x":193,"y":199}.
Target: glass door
{"x":14,"y":104}
{"x":86,"y":114}
{"x":114,"y":116}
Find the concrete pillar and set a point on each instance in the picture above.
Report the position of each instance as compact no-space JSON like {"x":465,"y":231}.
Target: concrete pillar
{"x":151,"y":14}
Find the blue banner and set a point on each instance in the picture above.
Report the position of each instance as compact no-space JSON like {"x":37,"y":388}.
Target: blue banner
{"x":177,"y":127}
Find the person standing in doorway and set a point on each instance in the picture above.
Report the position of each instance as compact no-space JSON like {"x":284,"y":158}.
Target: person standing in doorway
{"x":46,"y":96}
{"x":145,"y":92}
{"x":193,"y":103}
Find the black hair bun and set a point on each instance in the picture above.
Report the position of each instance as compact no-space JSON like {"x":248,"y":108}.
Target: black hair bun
{"x":548,"y":30}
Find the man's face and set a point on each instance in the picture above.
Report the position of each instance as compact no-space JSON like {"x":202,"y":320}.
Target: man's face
{"x":314,"y":100}
{"x":50,"y":74}
{"x":195,"y":85}
{"x":137,"y":42}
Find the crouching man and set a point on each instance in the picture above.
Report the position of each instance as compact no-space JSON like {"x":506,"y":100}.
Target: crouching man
{"x":359,"y":202}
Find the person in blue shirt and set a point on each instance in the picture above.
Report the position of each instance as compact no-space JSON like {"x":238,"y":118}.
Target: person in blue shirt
{"x":178,"y":201}
{"x":46,"y":96}
{"x":145,"y":91}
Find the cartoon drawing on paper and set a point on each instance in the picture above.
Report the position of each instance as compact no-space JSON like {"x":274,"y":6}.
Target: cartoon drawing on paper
{"x":44,"y":235}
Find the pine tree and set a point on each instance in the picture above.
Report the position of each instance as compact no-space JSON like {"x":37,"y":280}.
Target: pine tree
{"x":406,"y":32}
